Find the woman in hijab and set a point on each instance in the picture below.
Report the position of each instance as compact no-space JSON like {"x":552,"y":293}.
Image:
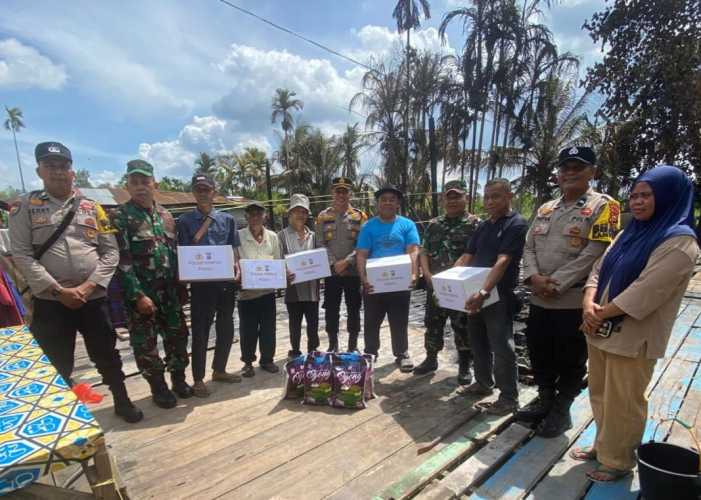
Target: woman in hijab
{"x":630,"y":304}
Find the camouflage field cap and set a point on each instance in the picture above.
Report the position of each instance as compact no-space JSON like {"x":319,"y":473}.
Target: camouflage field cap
{"x":139,"y":167}
{"x":457,"y":186}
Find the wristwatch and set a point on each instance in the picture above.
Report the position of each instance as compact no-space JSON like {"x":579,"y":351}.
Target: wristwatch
{"x":56,"y":292}
{"x":484,"y":293}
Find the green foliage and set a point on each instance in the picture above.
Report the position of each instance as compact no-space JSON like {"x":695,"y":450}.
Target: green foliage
{"x":650,"y":77}
{"x":82,"y":179}
{"x":174,"y":184}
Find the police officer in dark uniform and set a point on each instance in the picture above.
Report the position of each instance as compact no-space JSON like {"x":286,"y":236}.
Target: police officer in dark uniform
{"x":567,"y":236}
{"x":69,"y":279}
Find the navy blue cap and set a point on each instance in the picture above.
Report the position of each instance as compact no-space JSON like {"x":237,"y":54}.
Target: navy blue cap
{"x":582,"y":154}
{"x":203,"y":179}
{"x":48,"y":149}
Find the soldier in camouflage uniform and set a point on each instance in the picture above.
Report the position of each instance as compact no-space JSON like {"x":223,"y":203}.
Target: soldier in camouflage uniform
{"x":445,"y":240}
{"x":153,"y":297}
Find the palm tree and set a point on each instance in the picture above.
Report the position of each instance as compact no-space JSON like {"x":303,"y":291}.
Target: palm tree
{"x":381,"y":99}
{"x":407,"y":15}
{"x":283,"y":102}
{"x":558,"y":122}
{"x":351,"y":143}
{"x":14,"y":124}
{"x":252,"y":164}
{"x":206,"y":164}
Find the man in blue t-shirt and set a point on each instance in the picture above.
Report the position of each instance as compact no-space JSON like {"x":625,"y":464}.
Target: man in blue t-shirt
{"x":497,"y":243}
{"x":387,"y":235}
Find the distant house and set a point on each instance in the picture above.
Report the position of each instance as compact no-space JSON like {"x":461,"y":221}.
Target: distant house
{"x":176,"y":202}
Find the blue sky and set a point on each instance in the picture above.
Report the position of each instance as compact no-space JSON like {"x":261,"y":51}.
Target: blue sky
{"x":166,"y":79}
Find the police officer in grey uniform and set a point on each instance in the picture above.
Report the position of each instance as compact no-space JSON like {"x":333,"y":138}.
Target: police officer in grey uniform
{"x":69,"y":280}
{"x":567,"y":236}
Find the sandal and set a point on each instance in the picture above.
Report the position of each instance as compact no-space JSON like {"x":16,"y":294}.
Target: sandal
{"x":604,"y":474}
{"x":584,"y":454}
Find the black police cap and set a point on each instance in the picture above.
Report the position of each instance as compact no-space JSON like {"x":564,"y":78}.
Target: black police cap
{"x":584,"y":154}
{"x":49,"y":149}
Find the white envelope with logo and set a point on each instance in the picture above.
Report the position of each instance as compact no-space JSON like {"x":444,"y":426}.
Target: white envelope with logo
{"x":206,"y":263}
{"x":262,"y":274}
{"x":308,"y":265}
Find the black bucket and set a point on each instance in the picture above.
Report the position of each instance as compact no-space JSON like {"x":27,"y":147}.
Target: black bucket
{"x":668,"y":471}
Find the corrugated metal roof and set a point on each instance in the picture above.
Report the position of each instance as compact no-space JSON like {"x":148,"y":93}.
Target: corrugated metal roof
{"x":117,"y":196}
{"x":102,"y":196}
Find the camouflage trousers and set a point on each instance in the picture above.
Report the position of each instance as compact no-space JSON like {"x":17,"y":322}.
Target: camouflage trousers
{"x":435,"y":320}
{"x":169,"y":323}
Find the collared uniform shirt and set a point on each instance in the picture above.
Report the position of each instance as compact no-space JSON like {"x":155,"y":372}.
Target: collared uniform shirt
{"x":147,"y":249}
{"x":339,"y":234}
{"x":267,"y":249}
{"x":446,"y":239}
{"x":563,"y":243}
{"x":87,"y":249}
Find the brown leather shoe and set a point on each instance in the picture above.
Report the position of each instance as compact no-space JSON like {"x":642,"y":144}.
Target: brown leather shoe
{"x":230,"y":378}
{"x":200,"y":390}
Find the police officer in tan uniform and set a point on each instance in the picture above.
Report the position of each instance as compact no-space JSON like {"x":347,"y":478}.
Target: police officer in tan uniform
{"x":337,"y":229}
{"x":567,"y":236}
{"x":69,"y":280}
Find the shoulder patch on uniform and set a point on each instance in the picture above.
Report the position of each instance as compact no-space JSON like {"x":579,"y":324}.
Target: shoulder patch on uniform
{"x":104,"y":224}
{"x":607,"y":224}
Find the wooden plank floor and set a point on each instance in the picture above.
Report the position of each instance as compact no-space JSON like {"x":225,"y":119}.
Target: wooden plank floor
{"x":244,"y":442}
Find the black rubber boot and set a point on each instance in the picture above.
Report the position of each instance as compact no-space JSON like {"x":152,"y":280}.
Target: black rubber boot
{"x":180,"y":387}
{"x":162,"y":396}
{"x":464,"y":365}
{"x":123,"y":406}
{"x":558,"y":419}
{"x":537,"y":409}
{"x":428,"y":365}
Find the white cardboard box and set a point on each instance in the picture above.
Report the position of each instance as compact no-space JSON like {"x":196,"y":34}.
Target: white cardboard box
{"x":455,"y":285}
{"x":389,"y":274}
{"x":308,"y":265}
{"x":206,"y":263}
{"x":262,"y":274}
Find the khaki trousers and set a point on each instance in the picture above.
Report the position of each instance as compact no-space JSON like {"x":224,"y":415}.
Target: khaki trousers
{"x":617,"y":387}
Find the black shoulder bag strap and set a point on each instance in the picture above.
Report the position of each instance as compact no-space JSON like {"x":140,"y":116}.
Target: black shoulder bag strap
{"x":67,"y":219}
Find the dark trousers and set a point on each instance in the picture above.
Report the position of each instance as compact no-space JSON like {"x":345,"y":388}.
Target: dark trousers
{"x":557,"y":350}
{"x":257,"y":324}
{"x":208,"y":299}
{"x":334,"y":288}
{"x":310,"y":311}
{"x":396,"y":306}
{"x":54,"y":327}
{"x":492,"y":340}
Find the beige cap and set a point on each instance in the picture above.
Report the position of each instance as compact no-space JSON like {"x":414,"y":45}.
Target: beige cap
{"x":299,"y":200}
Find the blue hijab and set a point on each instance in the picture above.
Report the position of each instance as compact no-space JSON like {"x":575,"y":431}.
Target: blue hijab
{"x":674,"y":216}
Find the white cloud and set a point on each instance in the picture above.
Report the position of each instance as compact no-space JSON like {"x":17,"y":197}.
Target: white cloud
{"x":23,"y":67}
{"x":209,"y":134}
{"x":380,"y":42}
{"x":256,"y":74}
